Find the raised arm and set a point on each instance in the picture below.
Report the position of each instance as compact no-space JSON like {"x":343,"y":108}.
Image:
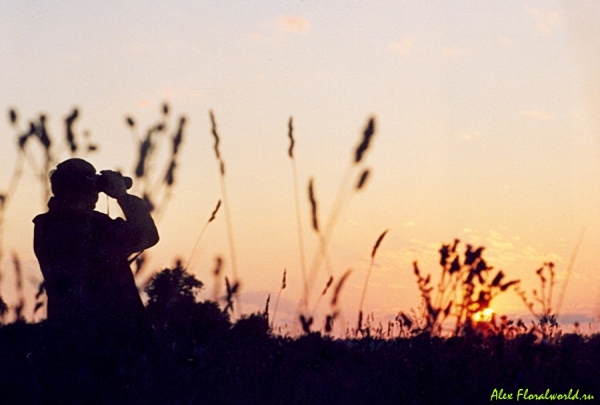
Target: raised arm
{"x":137,"y":215}
{"x":139,"y":219}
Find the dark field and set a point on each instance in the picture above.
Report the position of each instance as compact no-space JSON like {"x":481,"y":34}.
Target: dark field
{"x":195,"y":355}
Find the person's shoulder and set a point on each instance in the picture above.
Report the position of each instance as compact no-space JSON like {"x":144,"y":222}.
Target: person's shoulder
{"x":104,"y":219}
{"x":40,"y":218}
{"x":45,"y":218}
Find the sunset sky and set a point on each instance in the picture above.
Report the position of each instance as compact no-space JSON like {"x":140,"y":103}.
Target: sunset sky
{"x":487,"y":130}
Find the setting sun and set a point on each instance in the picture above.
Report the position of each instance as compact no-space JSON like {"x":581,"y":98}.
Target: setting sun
{"x":483,"y":315}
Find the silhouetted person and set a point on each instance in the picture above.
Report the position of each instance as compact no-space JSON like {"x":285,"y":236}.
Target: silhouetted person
{"x":95,"y":312}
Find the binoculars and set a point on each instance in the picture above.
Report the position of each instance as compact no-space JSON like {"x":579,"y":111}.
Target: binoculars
{"x":101,"y":182}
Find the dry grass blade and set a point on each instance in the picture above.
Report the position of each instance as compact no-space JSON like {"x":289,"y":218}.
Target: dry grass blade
{"x":12,"y":114}
{"x":329,"y":321}
{"x":218,"y":266}
{"x":364,"y":144}
{"x":214,"y":213}
{"x":364,"y":291}
{"x":329,"y":282}
{"x":360,"y":320}
{"x":313,"y":205}
{"x":216,"y":274}
{"x":37,"y":307}
{"x":225,"y":199}
{"x":569,"y":271}
{"x":339,"y":201}
{"x":212,"y":218}
{"x":145,"y":148}
{"x":3,"y":309}
{"x":376,"y":246}
{"x":338,"y":287}
{"x":139,"y":260}
{"x":291,"y":136}
{"x":306,"y":323}
{"x":283,"y":285}
{"x":266,"y":311}
{"x":18,"y":285}
{"x":69,"y":132}
{"x":301,"y":249}
{"x":40,"y":291}
{"x":232,"y":290}
{"x":178,"y":137}
{"x":169,"y":178}
{"x":215,"y":134}
{"x":362,"y":179}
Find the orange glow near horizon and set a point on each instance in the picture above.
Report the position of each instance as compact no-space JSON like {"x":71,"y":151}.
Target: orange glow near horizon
{"x":484,"y":315}
{"x":487,"y":123}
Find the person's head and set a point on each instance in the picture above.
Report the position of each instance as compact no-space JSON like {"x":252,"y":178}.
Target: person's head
{"x":73,"y":182}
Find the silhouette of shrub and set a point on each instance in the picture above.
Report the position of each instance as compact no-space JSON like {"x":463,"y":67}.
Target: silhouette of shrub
{"x":254,"y":326}
{"x":172,"y":287}
{"x":466,"y":286}
{"x":179,"y":320}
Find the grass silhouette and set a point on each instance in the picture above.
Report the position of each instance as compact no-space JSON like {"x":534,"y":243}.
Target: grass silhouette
{"x":198,"y":352}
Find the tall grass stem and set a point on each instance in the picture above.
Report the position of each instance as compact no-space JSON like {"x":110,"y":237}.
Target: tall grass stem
{"x":569,"y":271}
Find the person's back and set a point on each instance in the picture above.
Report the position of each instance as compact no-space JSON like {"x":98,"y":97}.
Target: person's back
{"x":94,"y":308}
{"x":83,"y":257}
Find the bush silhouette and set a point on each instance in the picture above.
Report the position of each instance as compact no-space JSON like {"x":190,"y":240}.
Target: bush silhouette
{"x":179,"y":319}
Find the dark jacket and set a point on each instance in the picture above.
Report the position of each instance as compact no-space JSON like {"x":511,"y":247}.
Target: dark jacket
{"x":83,"y":255}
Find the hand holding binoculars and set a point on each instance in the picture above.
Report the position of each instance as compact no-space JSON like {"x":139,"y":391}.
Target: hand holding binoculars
{"x":109,"y":181}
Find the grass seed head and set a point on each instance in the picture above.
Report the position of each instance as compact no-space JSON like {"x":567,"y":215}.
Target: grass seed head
{"x":338,"y":287}
{"x":178,"y":138}
{"x":266,"y":312}
{"x":214,"y":213}
{"x":329,"y":282}
{"x":362,"y":179}
{"x":306,"y":323}
{"x":215,"y":134}
{"x":313,"y":205}
{"x":364,"y":144}
{"x":360,"y":320}
{"x":12,"y":116}
{"x":378,"y":243}
{"x":218,"y":266}
{"x":291,"y":136}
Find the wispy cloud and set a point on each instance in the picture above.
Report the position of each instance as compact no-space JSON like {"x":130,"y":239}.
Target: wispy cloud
{"x":545,"y":20}
{"x":498,"y":241}
{"x":293,"y":24}
{"x":405,"y":47}
{"x":537,"y":114}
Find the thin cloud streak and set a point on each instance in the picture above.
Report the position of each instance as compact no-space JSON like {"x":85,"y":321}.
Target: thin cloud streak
{"x":546,"y":20}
